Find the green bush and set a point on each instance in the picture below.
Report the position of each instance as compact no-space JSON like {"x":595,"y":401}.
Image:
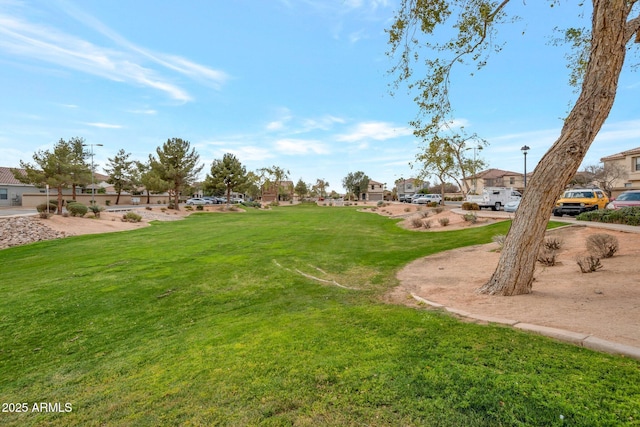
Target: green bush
{"x":96,"y":210}
{"x":470,"y":217}
{"x":42,"y":207}
{"x":626,"y":216}
{"x":251,"y":204}
{"x":468,"y":206}
{"x":131,"y":217}
{"x":77,"y":209}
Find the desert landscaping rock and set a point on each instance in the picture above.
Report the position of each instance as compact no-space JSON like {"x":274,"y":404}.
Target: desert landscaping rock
{"x":22,"y":230}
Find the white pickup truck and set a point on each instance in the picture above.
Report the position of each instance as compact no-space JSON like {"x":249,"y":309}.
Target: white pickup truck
{"x":494,"y":197}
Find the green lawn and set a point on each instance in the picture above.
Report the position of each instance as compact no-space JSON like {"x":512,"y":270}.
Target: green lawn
{"x":210,"y":321}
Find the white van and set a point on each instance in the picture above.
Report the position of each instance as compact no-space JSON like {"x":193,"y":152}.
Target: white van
{"x":495,"y":197}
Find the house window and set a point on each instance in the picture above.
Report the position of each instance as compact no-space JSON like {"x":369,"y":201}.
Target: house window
{"x":3,"y":194}
{"x":409,"y":187}
{"x":373,"y":187}
{"x":636,"y":164}
{"x":512,"y":180}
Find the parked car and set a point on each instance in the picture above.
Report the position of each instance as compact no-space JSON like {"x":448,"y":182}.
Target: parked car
{"x":578,"y":200}
{"x":512,"y":206}
{"x":211,"y":200}
{"x":197,"y":201}
{"x":423,"y":199}
{"x":628,"y":198}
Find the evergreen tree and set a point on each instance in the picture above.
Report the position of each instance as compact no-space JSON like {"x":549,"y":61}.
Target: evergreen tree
{"x":121,"y":173}
{"x":176,"y":165}
{"x":226,"y":174}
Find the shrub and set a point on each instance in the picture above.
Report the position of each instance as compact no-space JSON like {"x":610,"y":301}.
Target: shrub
{"x":131,"y":217}
{"x":438,"y":209}
{"x":77,"y":209}
{"x":468,"y":206}
{"x":547,"y":257}
{"x":443,"y":221}
{"x":416,"y":222}
{"x":432,"y":204}
{"x":45,"y":215}
{"x":470,"y":217}
{"x":602,"y":245}
{"x":42,"y":207}
{"x":427,"y":224}
{"x":107,"y":202}
{"x":380,"y":204}
{"x":627,"y":216}
{"x":407,"y":209}
{"x":425,"y":214}
{"x":199,"y":208}
{"x":188,"y":208}
{"x":589,"y":263}
{"x":149,"y":208}
{"x":499,"y":239}
{"x":96,"y":210}
{"x":552,"y":243}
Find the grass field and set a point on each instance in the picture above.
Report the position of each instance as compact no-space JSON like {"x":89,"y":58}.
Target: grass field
{"x":213,"y":320}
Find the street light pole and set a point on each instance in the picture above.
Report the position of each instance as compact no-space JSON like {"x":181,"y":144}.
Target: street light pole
{"x":93,"y":188}
{"x":525,"y":149}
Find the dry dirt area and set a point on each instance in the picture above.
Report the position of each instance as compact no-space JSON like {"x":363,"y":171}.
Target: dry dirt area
{"x":605,"y":303}
{"x":112,"y":221}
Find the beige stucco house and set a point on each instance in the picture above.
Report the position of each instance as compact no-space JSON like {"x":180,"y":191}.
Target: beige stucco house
{"x":496,"y":178}
{"x":630,"y":162}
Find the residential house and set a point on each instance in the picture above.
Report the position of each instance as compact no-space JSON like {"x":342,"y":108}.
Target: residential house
{"x":409,"y":187}
{"x":11,"y":190}
{"x":495,"y":178}
{"x":271,"y":193}
{"x":375,"y":192}
{"x":628,"y":161}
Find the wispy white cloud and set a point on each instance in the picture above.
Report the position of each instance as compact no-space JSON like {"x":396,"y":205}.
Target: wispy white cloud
{"x":250,"y":153}
{"x":104,"y":125}
{"x":148,"y":111}
{"x":379,"y":131}
{"x":325,"y":122}
{"x":47,"y":44}
{"x":300,"y":146}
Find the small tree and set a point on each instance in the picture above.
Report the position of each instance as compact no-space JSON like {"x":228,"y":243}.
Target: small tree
{"x":177,"y":165}
{"x":606,"y":175}
{"x":320,"y":187}
{"x":150,"y":180}
{"x":356,"y":183}
{"x":301,"y":189}
{"x":53,"y":168}
{"x":121,"y":173}
{"x":226,"y":174}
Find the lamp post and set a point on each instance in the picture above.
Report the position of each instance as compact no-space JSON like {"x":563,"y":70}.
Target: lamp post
{"x":525,"y":149}
{"x":93,"y":188}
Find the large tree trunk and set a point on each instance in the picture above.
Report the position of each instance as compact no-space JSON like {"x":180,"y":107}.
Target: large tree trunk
{"x":514,"y":273}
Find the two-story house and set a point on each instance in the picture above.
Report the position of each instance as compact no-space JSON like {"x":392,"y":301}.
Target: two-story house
{"x":627,"y":162}
{"x":375,"y":192}
{"x":409,"y":187}
{"x":495,"y":178}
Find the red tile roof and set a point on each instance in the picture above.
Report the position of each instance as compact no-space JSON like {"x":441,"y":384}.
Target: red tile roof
{"x":7,"y":178}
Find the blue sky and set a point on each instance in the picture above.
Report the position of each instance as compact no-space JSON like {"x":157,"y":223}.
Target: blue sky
{"x":301,"y":84}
